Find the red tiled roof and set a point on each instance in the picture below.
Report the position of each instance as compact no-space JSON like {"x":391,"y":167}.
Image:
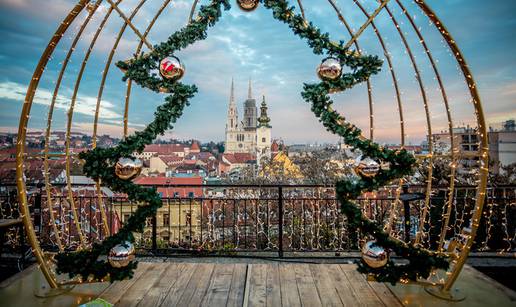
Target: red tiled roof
{"x":168,"y":180}
{"x":239,"y":158}
{"x":195,"y":147}
{"x":165,"y":149}
{"x":173,"y":191}
{"x":274,"y":147}
{"x":172,"y":159}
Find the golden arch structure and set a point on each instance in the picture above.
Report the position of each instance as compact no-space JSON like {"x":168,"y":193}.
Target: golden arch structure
{"x":384,"y":9}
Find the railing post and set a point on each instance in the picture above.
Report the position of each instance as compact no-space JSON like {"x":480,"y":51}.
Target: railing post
{"x":154,"y":234}
{"x":280,"y":221}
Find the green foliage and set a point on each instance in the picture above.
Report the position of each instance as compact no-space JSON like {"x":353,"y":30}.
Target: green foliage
{"x":100,"y":161}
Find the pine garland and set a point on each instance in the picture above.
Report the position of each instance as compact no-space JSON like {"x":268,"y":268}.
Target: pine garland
{"x":100,"y":161}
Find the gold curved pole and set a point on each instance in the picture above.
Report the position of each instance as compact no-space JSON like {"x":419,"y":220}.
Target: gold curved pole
{"x":366,"y":24}
{"x":49,"y":123}
{"x":192,"y":11}
{"x":368,"y":82}
{"x":483,"y":148}
{"x":130,"y":82}
{"x":69,"y":124}
{"x":303,"y":10}
{"x":128,"y":22}
{"x":451,"y":188}
{"x":428,"y":125}
{"x":97,"y":109}
{"x":22,"y":133}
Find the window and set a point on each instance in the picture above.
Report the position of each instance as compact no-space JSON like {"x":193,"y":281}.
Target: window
{"x":191,"y":194}
{"x":263,"y":140}
{"x":166,"y":220}
{"x":176,"y":194}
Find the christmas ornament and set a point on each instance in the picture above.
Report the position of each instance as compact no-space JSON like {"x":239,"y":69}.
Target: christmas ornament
{"x":121,"y":255}
{"x":374,"y":255}
{"x":127,"y":168}
{"x":248,"y":5}
{"x":330,"y":69}
{"x":171,"y":68}
{"x":367,"y":168}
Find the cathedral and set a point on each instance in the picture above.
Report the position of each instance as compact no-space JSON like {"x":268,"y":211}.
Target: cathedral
{"x":253,"y":133}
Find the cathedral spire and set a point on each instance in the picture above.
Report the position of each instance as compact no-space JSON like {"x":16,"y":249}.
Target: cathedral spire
{"x":264,"y":120}
{"x":232,"y":97}
{"x":250,"y":91}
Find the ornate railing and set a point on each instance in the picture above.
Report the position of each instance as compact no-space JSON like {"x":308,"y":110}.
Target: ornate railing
{"x":245,"y":219}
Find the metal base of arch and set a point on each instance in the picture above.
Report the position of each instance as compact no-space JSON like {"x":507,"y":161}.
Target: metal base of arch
{"x":47,"y":291}
{"x":454,"y":295}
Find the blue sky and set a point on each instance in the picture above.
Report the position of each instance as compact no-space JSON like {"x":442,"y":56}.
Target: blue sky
{"x":253,"y":45}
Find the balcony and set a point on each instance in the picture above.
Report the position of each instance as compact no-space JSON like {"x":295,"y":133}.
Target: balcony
{"x":212,"y":243}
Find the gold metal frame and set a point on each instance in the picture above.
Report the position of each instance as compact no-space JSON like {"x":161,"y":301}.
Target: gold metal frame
{"x":113,"y":6}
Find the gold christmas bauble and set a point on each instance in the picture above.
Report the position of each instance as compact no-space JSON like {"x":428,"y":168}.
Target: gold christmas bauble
{"x":171,"y":68}
{"x":248,"y":5}
{"x":121,"y":254}
{"x":367,"y":168}
{"x":329,"y":69}
{"x":374,"y":255}
{"x":127,"y":168}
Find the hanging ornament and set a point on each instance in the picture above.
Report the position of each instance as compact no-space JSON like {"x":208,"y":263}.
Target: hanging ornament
{"x":248,"y":5}
{"x":330,"y":69}
{"x":171,"y":68}
{"x":374,"y":255}
{"x":127,"y":168}
{"x":367,"y":168}
{"x":121,"y":254}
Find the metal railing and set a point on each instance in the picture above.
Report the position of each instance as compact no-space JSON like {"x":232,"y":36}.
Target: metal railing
{"x":259,"y":219}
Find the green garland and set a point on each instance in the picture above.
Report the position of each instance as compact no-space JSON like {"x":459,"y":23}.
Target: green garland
{"x":100,"y":161}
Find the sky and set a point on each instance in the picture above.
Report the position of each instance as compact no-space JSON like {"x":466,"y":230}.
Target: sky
{"x":253,"y":45}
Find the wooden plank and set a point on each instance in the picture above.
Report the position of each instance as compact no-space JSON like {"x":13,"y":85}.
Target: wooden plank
{"x":306,"y":285}
{"x":137,"y":291}
{"x":273,"y":287}
{"x":325,"y":286}
{"x":363,"y":292}
{"x":175,"y":292}
{"x":236,"y":292}
{"x":197,"y":286}
{"x":159,"y":290}
{"x":218,"y":290}
{"x":342,"y":286}
{"x":257,"y":285}
{"x":289,"y":290}
{"x":114,"y":292}
{"x":384,"y":294}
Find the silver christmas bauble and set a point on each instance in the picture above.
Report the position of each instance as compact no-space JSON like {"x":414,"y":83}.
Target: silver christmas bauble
{"x":171,"y":68}
{"x":121,"y":254}
{"x":374,"y":255}
{"x":329,"y":69}
{"x":127,"y":168}
{"x":248,"y":5}
{"x":367,"y":168}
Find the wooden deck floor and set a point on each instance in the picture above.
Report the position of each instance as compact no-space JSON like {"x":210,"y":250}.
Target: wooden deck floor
{"x":239,"y":284}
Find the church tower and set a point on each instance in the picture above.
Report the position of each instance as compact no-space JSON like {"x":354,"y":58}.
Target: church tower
{"x":232,"y":124}
{"x":250,"y":110}
{"x":263,"y":133}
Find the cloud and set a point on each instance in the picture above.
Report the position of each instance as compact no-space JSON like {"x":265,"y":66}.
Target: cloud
{"x":84,"y":105}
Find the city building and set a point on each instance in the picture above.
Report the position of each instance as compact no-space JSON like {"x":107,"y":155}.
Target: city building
{"x":502,"y":146}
